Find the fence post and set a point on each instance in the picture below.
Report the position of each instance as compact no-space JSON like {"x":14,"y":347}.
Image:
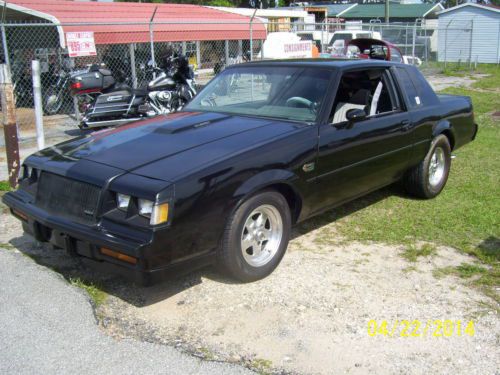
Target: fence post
{"x":37,"y":98}
{"x":198,"y":55}
{"x":322,"y":38}
{"x":226,"y":52}
{"x":413,"y":42}
{"x":9,"y":124}
{"x":5,"y":47}
{"x":470,"y":42}
{"x":133,"y":68}
{"x":445,"y":43}
{"x":251,"y":34}
{"x":498,"y":45}
{"x":151,"y":40}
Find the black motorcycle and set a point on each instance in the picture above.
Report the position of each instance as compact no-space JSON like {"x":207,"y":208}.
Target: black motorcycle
{"x":55,"y":97}
{"x":172,"y":88}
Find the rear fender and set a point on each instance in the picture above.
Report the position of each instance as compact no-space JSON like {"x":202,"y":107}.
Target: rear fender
{"x":444,"y":127}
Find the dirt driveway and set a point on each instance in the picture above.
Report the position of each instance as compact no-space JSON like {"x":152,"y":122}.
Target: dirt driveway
{"x":310,"y":316}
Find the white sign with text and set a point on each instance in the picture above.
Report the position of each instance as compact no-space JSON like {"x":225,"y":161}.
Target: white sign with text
{"x":297,"y":49}
{"x":81,"y":43}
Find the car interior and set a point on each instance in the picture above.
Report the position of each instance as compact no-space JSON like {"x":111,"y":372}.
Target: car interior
{"x":366,"y":90}
{"x":294,"y":94}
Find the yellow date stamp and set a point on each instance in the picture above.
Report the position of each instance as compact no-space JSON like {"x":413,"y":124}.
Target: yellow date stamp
{"x":418,"y":328}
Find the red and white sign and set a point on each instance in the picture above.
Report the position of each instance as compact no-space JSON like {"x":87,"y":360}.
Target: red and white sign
{"x":81,"y":44}
{"x":297,"y":49}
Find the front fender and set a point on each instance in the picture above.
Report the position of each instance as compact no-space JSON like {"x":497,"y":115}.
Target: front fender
{"x":264,"y":179}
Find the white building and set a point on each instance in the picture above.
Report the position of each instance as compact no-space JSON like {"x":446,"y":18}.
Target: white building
{"x":469,"y":32}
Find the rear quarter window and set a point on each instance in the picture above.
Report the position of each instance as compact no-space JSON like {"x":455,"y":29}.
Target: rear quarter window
{"x":415,"y":87}
{"x":409,"y":90}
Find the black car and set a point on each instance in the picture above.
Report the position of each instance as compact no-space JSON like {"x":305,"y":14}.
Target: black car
{"x":263,"y":146}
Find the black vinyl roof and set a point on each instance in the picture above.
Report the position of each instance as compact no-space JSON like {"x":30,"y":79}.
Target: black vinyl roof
{"x":321,"y":62}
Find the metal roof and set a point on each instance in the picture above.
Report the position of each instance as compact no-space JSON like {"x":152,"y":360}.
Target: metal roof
{"x":293,"y":12}
{"x":114,"y":23}
{"x":395,"y":11}
{"x":492,"y":8}
{"x":333,"y":10}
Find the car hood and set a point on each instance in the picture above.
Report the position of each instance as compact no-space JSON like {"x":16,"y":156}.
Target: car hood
{"x":134,"y":146}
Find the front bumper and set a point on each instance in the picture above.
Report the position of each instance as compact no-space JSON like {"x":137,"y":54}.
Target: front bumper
{"x":86,"y":241}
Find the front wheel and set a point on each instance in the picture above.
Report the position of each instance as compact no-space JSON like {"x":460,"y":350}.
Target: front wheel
{"x":428,"y":178}
{"x":256,"y":237}
{"x":53,"y":102}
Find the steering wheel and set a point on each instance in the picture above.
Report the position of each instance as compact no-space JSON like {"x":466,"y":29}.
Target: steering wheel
{"x":209,"y":102}
{"x":298,"y":102}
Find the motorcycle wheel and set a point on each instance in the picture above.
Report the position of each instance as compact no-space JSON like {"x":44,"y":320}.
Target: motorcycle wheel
{"x":52,"y":102}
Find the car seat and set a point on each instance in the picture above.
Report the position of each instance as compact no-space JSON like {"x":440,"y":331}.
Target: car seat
{"x":359,"y":100}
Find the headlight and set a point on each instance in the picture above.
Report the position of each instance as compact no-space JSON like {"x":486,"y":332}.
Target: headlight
{"x":145,"y":207}
{"x":122,"y":201}
{"x":158,"y":214}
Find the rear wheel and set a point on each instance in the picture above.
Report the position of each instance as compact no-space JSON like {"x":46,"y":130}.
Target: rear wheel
{"x":428,"y":178}
{"x":256,"y":237}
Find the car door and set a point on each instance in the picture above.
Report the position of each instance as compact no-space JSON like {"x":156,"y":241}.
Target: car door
{"x":356,"y":158}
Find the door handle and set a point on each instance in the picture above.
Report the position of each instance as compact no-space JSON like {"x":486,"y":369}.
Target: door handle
{"x":405,"y":125}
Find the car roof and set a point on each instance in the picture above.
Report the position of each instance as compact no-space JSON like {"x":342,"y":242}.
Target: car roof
{"x":320,"y":62}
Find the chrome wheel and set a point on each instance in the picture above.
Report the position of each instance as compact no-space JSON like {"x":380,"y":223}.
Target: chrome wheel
{"x":52,"y":104}
{"x":261,"y":235}
{"x":437,"y":167}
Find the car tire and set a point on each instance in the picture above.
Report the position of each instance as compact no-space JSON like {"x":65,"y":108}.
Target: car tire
{"x":256,"y":237}
{"x":428,"y":178}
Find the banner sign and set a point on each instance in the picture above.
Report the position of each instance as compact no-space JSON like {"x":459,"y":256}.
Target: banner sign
{"x":297,"y":49}
{"x":80,"y":43}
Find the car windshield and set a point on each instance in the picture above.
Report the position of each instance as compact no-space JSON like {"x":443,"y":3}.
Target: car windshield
{"x":291,"y":93}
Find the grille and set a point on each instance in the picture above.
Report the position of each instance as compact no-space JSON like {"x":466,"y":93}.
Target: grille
{"x":68,"y":198}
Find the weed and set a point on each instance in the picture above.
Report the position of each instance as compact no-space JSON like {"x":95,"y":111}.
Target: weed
{"x":97,"y":295}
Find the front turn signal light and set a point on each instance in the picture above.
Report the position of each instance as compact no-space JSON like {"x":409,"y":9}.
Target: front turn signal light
{"x":159,"y":214}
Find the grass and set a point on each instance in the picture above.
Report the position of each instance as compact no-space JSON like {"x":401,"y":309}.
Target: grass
{"x":466,"y":215}
{"x":262,"y":366}
{"x":97,"y":295}
{"x":5,"y":186}
{"x":413,"y":251}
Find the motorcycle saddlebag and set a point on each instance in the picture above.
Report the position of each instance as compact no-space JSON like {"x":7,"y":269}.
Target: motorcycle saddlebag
{"x":115,"y":103}
{"x":94,"y":81}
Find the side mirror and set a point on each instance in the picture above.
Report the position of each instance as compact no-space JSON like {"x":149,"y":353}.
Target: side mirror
{"x":355,"y":115}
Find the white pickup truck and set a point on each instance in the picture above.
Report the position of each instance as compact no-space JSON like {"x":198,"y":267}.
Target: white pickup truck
{"x":340,"y":39}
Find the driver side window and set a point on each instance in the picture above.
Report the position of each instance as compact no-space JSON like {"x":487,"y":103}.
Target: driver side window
{"x":366,"y":90}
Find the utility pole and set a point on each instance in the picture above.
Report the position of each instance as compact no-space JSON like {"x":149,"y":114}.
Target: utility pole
{"x":386,"y":11}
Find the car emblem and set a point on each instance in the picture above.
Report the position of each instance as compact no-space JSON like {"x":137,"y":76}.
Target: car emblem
{"x":308,"y":167}
{"x":88,"y":212}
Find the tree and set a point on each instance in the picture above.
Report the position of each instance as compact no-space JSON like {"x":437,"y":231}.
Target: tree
{"x":223,"y":3}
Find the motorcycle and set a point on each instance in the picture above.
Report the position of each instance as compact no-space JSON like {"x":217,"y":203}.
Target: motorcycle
{"x":55,"y":98}
{"x":172,"y":88}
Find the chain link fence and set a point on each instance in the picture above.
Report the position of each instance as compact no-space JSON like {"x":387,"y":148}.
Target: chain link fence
{"x":129,"y":61}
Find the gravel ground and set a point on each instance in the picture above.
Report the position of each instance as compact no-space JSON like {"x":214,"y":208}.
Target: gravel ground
{"x":49,"y":327}
{"x":309,"y":317}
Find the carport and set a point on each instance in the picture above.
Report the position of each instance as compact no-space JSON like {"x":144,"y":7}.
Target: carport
{"x":122,"y":23}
